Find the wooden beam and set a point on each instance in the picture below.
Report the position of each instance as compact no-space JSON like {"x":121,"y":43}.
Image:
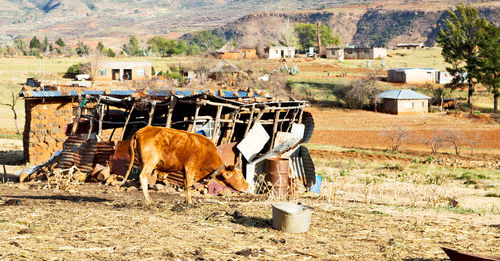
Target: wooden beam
{"x":195,"y":118}
{"x":250,"y":120}
{"x":275,"y":128}
{"x":152,"y":112}
{"x":171,"y":105}
{"x":78,"y":115}
{"x":216,"y":124}
{"x":235,"y":118}
{"x":101,"y":117}
{"x":126,"y":121}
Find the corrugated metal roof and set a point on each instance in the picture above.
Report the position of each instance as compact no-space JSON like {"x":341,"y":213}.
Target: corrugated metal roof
{"x":403,"y":95}
{"x":181,"y":94}
{"x":415,"y":69}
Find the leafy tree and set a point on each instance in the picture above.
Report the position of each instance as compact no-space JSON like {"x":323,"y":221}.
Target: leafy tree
{"x":489,"y":61}
{"x":460,"y":38}
{"x":45,"y":44}
{"x":100,"y":47}
{"x":308,"y":38}
{"x":82,"y":49}
{"x":207,"y":41}
{"x":132,"y":47}
{"x":307,"y":34}
{"x":21,"y":46}
{"x":35,"y":43}
{"x":60,"y":42}
{"x":193,"y":49}
{"x":158,"y":45}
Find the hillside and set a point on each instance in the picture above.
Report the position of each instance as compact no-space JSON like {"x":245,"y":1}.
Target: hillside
{"x":361,"y":26}
{"x":118,"y":18}
{"x":251,"y":23}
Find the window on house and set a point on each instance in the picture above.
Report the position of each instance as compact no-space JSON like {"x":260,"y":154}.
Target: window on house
{"x":277,"y":52}
{"x":102,"y":72}
{"x":141,"y":72}
{"x":366,"y":51}
{"x":423,"y":104}
{"x":333,"y":52}
{"x":408,"y":105}
{"x":349,"y":51}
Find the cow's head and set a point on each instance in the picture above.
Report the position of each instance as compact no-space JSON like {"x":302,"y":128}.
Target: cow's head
{"x":234,"y":178}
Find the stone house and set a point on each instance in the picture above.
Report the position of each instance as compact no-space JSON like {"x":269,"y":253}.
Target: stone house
{"x":228,"y":51}
{"x":279,"y":52}
{"x":355,"y":53}
{"x":403,"y":102}
{"x":409,"y":45}
{"x":417,"y":76}
{"x":118,"y":71}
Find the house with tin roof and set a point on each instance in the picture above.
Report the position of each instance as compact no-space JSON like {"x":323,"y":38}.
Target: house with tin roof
{"x":399,"y":102}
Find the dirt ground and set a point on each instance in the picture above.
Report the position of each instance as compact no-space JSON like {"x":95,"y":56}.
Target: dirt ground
{"x":100,"y":222}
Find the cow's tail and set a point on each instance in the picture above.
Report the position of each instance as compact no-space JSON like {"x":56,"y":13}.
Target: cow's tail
{"x":132,"y":158}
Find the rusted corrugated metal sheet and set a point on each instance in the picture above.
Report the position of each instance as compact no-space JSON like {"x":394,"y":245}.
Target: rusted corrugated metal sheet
{"x":308,"y":164}
{"x":105,"y":149}
{"x":227,"y":153}
{"x":77,"y":151}
{"x":308,"y":121}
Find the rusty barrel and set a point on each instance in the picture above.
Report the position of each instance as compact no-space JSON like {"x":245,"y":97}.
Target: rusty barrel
{"x":277,"y":175}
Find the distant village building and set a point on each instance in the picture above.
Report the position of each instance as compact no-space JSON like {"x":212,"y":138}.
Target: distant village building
{"x":278,"y":52}
{"x":228,"y":51}
{"x":403,"y":102}
{"x":355,"y":53}
{"x":409,"y":45}
{"x":225,"y":70}
{"x":418,"y":76}
{"x":118,"y":71}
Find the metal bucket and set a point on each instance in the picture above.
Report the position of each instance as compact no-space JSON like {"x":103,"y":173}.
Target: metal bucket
{"x":277,"y":175}
{"x":290,"y":217}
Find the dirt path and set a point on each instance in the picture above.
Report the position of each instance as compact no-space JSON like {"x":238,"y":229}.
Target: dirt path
{"x":100,"y":222}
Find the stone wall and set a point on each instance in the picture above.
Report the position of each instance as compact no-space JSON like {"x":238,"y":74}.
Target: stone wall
{"x":44,"y":127}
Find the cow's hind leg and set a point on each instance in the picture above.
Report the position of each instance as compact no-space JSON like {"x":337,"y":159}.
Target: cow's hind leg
{"x":149,"y":164}
{"x":188,"y":183}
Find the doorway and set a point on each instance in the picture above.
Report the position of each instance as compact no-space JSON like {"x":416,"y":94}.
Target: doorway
{"x":127,"y":74}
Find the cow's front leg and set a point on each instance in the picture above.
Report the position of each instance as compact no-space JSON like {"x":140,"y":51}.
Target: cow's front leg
{"x":188,"y":183}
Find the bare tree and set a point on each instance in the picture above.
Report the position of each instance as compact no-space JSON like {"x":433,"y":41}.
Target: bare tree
{"x":435,"y":140}
{"x":289,"y":37}
{"x":472,"y":139}
{"x":363,"y":91}
{"x":91,"y":68}
{"x":12,"y":106}
{"x":454,"y":136}
{"x":397,"y":136}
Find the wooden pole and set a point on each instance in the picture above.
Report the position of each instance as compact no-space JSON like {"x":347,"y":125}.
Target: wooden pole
{"x":216,"y":124}
{"x":275,"y":128}
{"x":300,"y":115}
{"x":91,"y":122}
{"x":101,"y":117}
{"x":77,"y":116}
{"x":295,"y":112}
{"x":173,"y":101}
{"x":126,"y":122}
{"x":151,"y":113}
{"x":231,"y":133}
{"x":249,"y":121}
{"x":193,"y":126}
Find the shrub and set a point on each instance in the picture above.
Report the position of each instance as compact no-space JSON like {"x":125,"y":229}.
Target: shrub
{"x":75,"y":68}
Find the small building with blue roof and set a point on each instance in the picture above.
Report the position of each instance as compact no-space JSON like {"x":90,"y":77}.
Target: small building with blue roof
{"x":402,"y":102}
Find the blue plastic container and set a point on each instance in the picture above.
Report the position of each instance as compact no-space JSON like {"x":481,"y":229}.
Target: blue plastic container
{"x":316,"y":188}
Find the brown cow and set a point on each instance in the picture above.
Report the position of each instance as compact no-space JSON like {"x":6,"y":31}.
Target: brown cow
{"x":171,"y":150}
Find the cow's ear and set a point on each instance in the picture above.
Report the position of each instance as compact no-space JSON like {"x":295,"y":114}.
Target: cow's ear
{"x":227,"y":175}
